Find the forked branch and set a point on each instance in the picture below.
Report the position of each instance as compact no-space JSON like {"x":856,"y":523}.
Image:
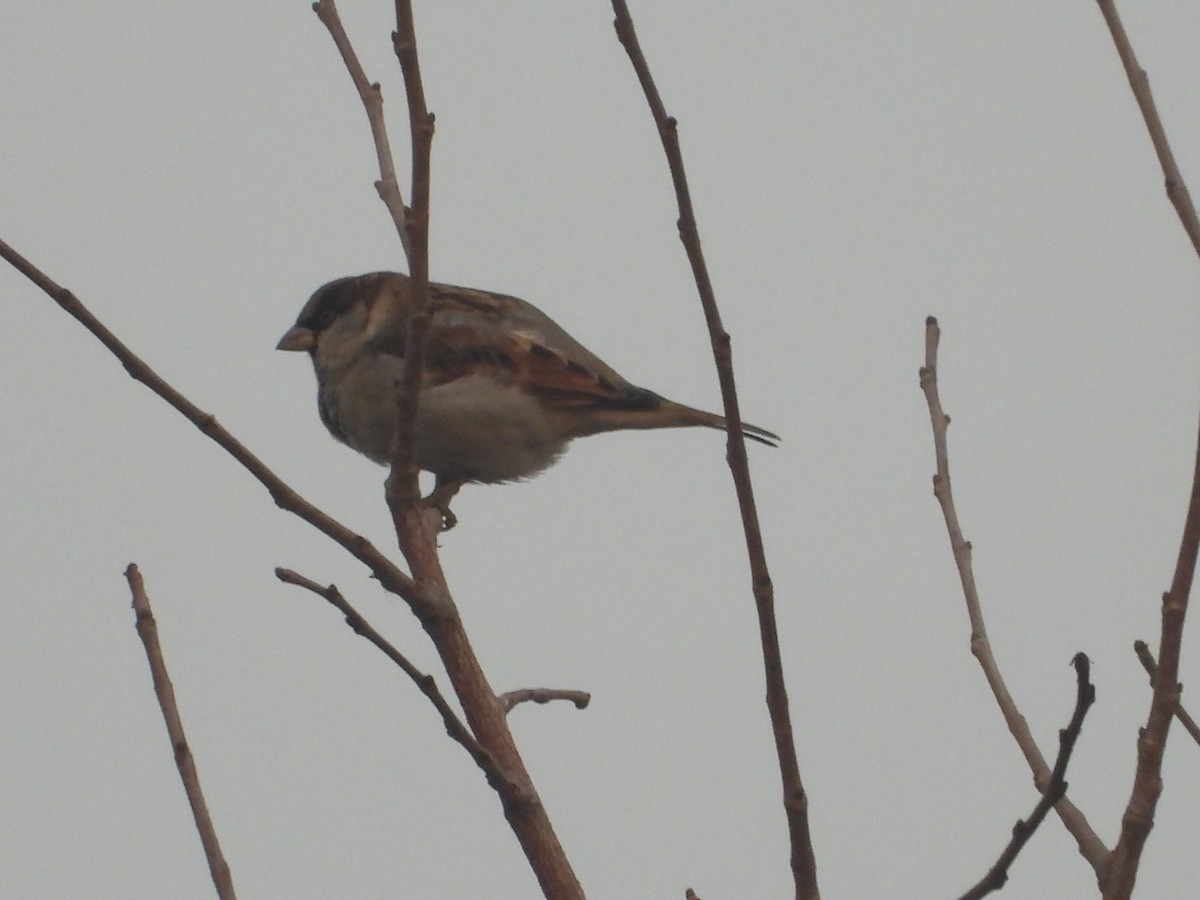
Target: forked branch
{"x":417,"y":526}
{"x":1085,"y":696}
{"x":1147,"y":784}
{"x":1090,"y":845}
{"x":424,"y":682}
{"x":1146,"y":658}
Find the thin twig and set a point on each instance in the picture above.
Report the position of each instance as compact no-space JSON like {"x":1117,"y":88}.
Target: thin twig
{"x":510,"y":699}
{"x":1147,"y":660}
{"x":1138,"y":818}
{"x":1139,"y":82}
{"x":391,"y":577}
{"x":1089,"y":843}
{"x":1085,"y":696}
{"x":372,"y":101}
{"x":147,"y":630}
{"x":795,"y":800}
{"x":424,"y":682}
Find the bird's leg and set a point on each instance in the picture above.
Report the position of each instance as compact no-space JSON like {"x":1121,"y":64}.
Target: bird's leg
{"x":439,"y":498}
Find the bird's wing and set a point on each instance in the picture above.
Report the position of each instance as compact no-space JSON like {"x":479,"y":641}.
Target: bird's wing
{"x":474,"y":331}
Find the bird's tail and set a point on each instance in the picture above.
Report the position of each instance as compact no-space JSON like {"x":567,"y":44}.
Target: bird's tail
{"x":687,"y":415}
{"x":639,"y":408}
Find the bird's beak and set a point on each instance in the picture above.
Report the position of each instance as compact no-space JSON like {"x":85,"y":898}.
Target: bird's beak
{"x":297,"y":338}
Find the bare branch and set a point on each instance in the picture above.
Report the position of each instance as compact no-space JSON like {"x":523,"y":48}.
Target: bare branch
{"x":147,"y":630}
{"x":510,"y":699}
{"x":1090,"y":845}
{"x":484,"y":713}
{"x":1085,"y":696}
{"x":425,"y":682}
{"x":411,"y":224}
{"x":427,"y":685}
{"x":1139,"y":82}
{"x":284,"y":496}
{"x":795,"y":800}
{"x":403,"y":489}
{"x":429,"y":600}
{"x":417,"y":526}
{"x":1147,"y":784}
{"x":420,"y":122}
{"x":372,"y":101}
{"x":1147,"y":660}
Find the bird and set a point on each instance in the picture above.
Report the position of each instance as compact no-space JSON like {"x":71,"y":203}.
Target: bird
{"x":504,"y":388}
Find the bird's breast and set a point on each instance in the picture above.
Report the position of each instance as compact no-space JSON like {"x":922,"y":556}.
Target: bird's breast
{"x":480,"y":426}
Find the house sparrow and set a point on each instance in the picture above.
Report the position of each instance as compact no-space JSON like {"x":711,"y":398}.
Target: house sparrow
{"x":504,"y":390}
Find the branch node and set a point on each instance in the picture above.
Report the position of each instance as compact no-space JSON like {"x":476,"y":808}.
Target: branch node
{"x":510,"y":699}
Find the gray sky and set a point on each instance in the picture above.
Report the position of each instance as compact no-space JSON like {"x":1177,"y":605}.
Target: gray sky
{"x":194,"y":171}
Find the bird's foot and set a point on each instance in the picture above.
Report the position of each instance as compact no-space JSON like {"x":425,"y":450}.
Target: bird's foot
{"x":439,"y":498}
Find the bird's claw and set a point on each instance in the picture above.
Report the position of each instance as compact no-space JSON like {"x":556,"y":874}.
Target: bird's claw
{"x":439,"y":498}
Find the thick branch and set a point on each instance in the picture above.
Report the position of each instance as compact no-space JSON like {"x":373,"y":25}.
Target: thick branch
{"x":417,"y":527}
{"x":1056,"y":789}
{"x":1090,"y":845}
{"x":147,"y":630}
{"x":795,"y":800}
{"x":1152,"y":739}
{"x":1147,"y":785}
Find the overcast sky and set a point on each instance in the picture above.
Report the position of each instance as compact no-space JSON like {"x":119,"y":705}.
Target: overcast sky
{"x":194,"y":171}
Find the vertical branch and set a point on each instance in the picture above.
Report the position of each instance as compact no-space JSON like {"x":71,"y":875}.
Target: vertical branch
{"x":1147,"y":784}
{"x":403,"y":490}
{"x":148,"y":631}
{"x":417,"y":526}
{"x":795,"y":800}
{"x":420,"y":121}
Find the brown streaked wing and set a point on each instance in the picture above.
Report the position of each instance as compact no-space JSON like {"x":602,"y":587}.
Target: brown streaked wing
{"x":500,"y":313}
{"x":474,"y":329}
{"x":454,"y":351}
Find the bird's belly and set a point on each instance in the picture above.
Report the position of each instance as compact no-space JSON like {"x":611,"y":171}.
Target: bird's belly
{"x":484,"y":430}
